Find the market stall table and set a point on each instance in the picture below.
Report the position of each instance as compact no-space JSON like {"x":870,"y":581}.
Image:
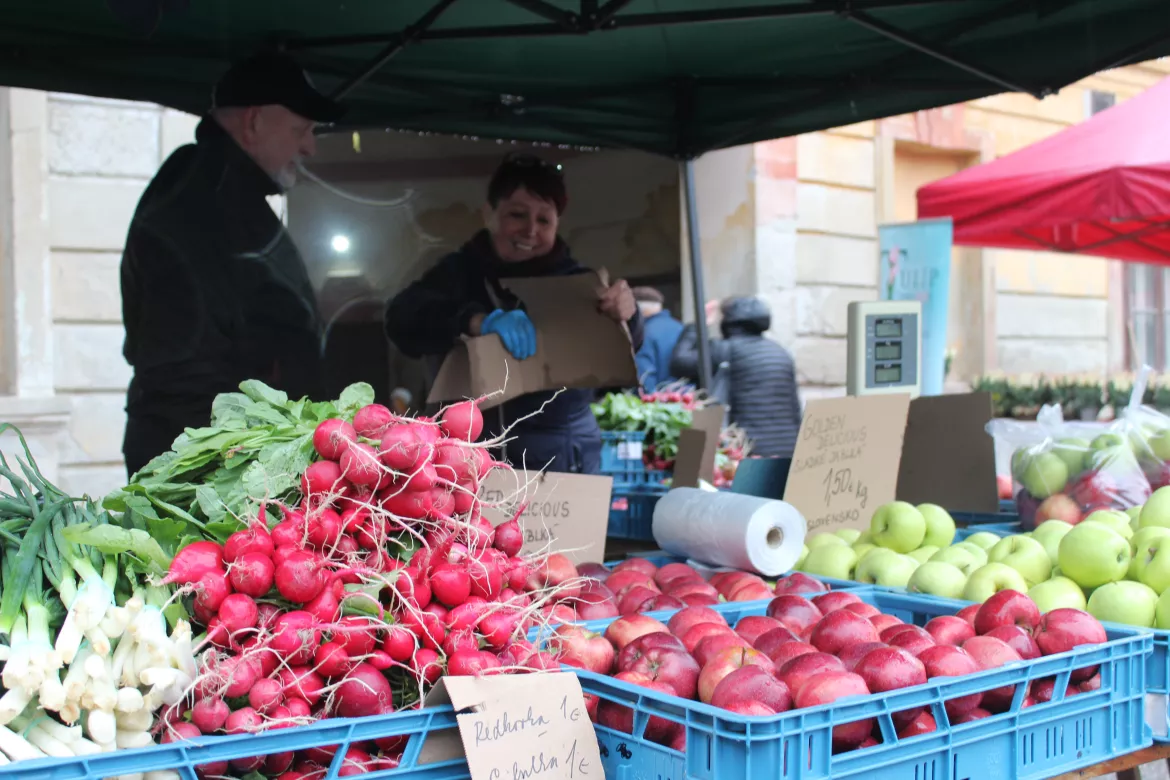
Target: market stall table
{"x":1126,"y":766}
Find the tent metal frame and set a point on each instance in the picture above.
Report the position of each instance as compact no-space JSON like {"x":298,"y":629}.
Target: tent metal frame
{"x":594,"y":16}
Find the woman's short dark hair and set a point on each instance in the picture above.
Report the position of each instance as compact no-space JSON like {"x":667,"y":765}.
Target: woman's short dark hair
{"x":540,"y":177}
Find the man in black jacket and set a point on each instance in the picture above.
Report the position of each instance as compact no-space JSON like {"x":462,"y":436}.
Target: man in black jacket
{"x":757,"y":375}
{"x":213,"y":290}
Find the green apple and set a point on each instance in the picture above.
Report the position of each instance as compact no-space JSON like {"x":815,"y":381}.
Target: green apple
{"x":803,"y":557}
{"x":1113,"y":460}
{"x":1092,"y":554}
{"x":1162,"y":611}
{"x":898,"y":526}
{"x":831,"y":560}
{"x":1126,"y":602}
{"x":1135,"y":518}
{"x":1072,"y":452}
{"x":865,"y":537}
{"x":1057,"y":593}
{"x":882,"y":566}
{"x":1160,"y":445}
{"x":861,"y":548}
{"x":1139,"y":546}
{"x":1117,"y":520}
{"x":961,"y":558}
{"x":988,"y":580}
{"x":923,"y":553}
{"x":1156,"y":510}
{"x":1045,"y":475}
{"x":1109,"y":439}
{"x":1049,"y":533}
{"x":984,"y":540}
{"x":1151,"y":563}
{"x":1027,"y":556}
{"x":940,"y":526}
{"x":938,"y":579}
{"x":1020,"y":459}
{"x":980,"y":553}
{"x":850,"y":535}
{"x":824,"y":539}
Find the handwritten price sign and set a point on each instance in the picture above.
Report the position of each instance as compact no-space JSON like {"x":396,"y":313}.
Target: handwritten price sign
{"x":846,"y":460}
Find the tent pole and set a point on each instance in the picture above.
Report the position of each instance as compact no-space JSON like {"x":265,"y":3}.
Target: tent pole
{"x":697,"y":291}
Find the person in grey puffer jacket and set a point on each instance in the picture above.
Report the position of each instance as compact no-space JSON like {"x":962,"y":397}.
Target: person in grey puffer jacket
{"x":760,"y":378}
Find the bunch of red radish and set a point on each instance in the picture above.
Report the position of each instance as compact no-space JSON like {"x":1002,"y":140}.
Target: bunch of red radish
{"x":805,"y":653}
{"x":315,"y":616}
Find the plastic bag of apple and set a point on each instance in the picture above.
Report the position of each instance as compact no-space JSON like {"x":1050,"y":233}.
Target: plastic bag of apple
{"x":805,"y":653}
{"x":1073,"y":471}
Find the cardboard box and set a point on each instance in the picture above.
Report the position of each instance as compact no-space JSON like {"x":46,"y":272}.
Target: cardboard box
{"x":565,"y":513}
{"x":576,"y":346}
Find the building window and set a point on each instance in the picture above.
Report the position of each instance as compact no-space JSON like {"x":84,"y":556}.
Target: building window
{"x":1147,"y":302}
{"x":1099,"y":101}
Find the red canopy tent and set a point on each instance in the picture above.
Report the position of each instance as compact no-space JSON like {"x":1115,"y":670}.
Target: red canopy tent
{"x":1098,"y":188}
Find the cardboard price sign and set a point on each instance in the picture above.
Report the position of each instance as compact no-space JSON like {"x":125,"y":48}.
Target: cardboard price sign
{"x":566,"y":513}
{"x":531,"y":725}
{"x":846,"y":460}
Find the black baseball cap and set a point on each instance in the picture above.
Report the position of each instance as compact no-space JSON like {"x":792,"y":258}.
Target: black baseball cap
{"x":273,"y":78}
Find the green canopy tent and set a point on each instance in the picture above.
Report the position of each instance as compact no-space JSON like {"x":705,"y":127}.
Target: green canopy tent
{"x":670,"y":77}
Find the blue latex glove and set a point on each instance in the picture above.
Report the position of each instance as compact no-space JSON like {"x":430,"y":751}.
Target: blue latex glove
{"x":514,"y":329}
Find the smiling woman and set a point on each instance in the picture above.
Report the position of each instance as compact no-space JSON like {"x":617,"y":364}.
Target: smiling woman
{"x":463,"y":296}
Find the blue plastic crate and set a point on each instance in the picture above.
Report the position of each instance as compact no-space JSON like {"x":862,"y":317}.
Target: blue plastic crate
{"x":621,"y":458}
{"x":631,"y":511}
{"x":1028,"y":744}
{"x":184,"y":756}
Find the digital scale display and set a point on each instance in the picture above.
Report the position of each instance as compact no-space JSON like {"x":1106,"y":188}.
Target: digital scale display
{"x":888,"y":328}
{"x":884,"y":374}
{"x":888,"y":351}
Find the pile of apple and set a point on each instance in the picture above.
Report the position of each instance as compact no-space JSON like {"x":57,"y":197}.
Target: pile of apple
{"x":805,"y":653}
{"x":1071,"y":478}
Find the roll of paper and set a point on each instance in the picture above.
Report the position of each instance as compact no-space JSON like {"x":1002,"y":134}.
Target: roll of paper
{"x":729,"y":529}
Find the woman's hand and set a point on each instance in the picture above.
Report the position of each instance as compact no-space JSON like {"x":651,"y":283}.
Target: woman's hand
{"x":617,"y":302}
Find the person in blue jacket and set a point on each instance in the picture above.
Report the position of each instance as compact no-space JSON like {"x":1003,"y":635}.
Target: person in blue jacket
{"x":462,"y":296}
{"x":661,"y":331}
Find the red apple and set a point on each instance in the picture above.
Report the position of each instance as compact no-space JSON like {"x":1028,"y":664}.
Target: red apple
{"x":752,"y":627}
{"x":799,"y":670}
{"x":691,"y":588}
{"x":795,"y":612}
{"x":1095,"y":489}
{"x":700,"y":631}
{"x":1063,"y":629}
{"x":835,"y":599}
{"x":1091,"y":684}
{"x":679,"y":741}
{"x":636,"y":649}
{"x":1007,"y":608}
{"x":663,"y":603}
{"x":1044,"y":690}
{"x":889,"y":632}
{"x":992,"y":653}
{"x":621,"y":581}
{"x":626,"y":629}
{"x":839,"y":629}
{"x":869,"y":741}
{"x":577,"y":646}
{"x":913,"y":641}
{"x":888,"y":669}
{"x":951,"y":661}
{"x":751,"y":684}
{"x":594,"y":571}
{"x":789,"y":650}
{"x":851,"y":655}
{"x":621,"y":718}
{"x":634,"y":600}
{"x":729,"y":581}
{"x":1003,"y":484}
{"x":883,"y":621}
{"x":923,"y":723}
{"x":976,"y":714}
{"x":829,"y":687}
{"x":700,"y":600}
{"x":949,"y":630}
{"x":752,"y":591}
{"x":770,"y":640}
{"x":714,"y":645}
{"x":681,"y":621}
{"x":968,"y":613}
{"x":799,"y":582}
{"x":1059,"y":507}
{"x":597,"y":610}
{"x":637,"y":564}
{"x":727,"y":662}
{"x":676,"y":668}
{"x":751,"y":708}
{"x":867,"y":611}
{"x":1018,"y":639}
{"x":673,"y":571}
{"x":591,"y":702}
